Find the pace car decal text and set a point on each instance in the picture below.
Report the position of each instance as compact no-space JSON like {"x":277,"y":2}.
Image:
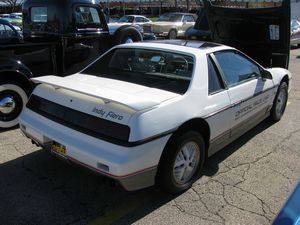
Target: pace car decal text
{"x":249,"y":108}
{"x":107,"y":114}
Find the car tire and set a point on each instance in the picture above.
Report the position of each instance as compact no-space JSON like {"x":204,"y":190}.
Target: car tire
{"x":172,"y":34}
{"x":280,"y":102}
{"x":127,"y":35}
{"x":12,"y":101}
{"x":298,"y":45}
{"x":181,"y":162}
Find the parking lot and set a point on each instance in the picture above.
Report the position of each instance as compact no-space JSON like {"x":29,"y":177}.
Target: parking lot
{"x":245,"y":183}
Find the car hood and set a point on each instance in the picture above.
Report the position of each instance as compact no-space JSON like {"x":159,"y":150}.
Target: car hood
{"x":132,"y":96}
{"x":262,"y":33}
{"x":163,"y":23}
{"x":112,"y":27}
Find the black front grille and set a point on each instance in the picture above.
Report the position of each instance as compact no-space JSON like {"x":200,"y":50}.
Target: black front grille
{"x":82,"y":122}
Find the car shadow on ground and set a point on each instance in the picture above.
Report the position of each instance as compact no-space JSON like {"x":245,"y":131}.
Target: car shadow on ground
{"x":8,"y":129}
{"x":38,"y":188}
{"x":212,"y":164}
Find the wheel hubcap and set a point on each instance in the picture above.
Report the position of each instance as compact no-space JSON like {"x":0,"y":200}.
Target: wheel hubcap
{"x":186,"y":162}
{"x":281,"y":99}
{"x":7,"y":104}
{"x":128,"y":40}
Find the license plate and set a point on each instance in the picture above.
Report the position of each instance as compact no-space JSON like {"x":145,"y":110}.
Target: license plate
{"x":59,"y":148}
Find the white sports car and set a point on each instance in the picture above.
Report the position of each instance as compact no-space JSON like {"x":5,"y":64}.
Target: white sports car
{"x":147,"y":113}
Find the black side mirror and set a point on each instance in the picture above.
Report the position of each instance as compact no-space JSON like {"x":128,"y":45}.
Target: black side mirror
{"x":266,"y":75}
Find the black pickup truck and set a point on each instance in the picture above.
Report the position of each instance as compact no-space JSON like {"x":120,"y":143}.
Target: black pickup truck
{"x":61,"y":37}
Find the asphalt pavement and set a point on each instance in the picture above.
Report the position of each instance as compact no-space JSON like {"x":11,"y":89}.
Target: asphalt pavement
{"x":245,"y":183}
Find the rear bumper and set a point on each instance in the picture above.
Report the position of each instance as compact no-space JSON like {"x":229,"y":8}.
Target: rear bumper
{"x":134,"y":167}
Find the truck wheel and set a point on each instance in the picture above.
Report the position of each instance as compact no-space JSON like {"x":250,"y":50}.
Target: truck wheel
{"x":12,"y":101}
{"x":127,"y":35}
{"x":181,"y":162}
{"x":279,"y":103}
{"x":172,"y":34}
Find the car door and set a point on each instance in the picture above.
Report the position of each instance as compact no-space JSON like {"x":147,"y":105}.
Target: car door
{"x":187,"y":22}
{"x":218,"y":108}
{"x":261,"y":29}
{"x":251,"y":95}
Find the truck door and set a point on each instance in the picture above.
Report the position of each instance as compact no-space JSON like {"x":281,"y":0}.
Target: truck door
{"x":259,"y":29}
{"x":89,"y":39}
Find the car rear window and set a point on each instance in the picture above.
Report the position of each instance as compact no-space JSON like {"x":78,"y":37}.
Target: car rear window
{"x":152,"y":68}
{"x":87,"y":17}
{"x":39,"y":14}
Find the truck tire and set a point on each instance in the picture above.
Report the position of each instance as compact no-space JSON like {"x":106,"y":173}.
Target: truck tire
{"x":12,"y":101}
{"x":127,"y":35}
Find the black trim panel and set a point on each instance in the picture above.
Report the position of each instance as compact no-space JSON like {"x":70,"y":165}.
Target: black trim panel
{"x":79,"y":121}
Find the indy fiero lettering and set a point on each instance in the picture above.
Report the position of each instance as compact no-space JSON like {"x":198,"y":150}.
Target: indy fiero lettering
{"x":107,"y":114}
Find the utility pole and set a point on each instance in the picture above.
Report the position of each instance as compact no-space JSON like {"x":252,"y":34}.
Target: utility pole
{"x":187,"y":5}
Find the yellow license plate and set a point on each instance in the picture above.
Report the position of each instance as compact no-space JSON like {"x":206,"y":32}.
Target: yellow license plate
{"x":59,"y":148}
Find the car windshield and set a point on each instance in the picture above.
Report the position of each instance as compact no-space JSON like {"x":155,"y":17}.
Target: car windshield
{"x":295,"y":24}
{"x":170,"y":18}
{"x":152,"y":68}
{"x":126,"y":19}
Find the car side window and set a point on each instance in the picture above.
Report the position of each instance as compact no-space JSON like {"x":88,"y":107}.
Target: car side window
{"x":9,"y":31}
{"x":295,"y":24}
{"x":214,"y":82}
{"x":139,"y":20}
{"x":188,"y":18}
{"x":236,"y":67}
{"x":2,"y":31}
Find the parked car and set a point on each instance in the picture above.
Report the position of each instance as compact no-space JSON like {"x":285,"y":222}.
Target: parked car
{"x":18,"y":15}
{"x":151,"y":112}
{"x":9,"y":34}
{"x":136,"y":21}
{"x":295,"y":32}
{"x":16,"y":21}
{"x":4,"y":15}
{"x":112,"y":19}
{"x":171,"y":25}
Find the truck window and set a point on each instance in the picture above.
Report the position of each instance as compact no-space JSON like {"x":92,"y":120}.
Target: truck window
{"x":39,"y":14}
{"x":87,"y":17}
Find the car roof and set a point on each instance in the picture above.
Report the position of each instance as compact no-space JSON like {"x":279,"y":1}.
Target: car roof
{"x":184,"y":46}
{"x":136,"y":15}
